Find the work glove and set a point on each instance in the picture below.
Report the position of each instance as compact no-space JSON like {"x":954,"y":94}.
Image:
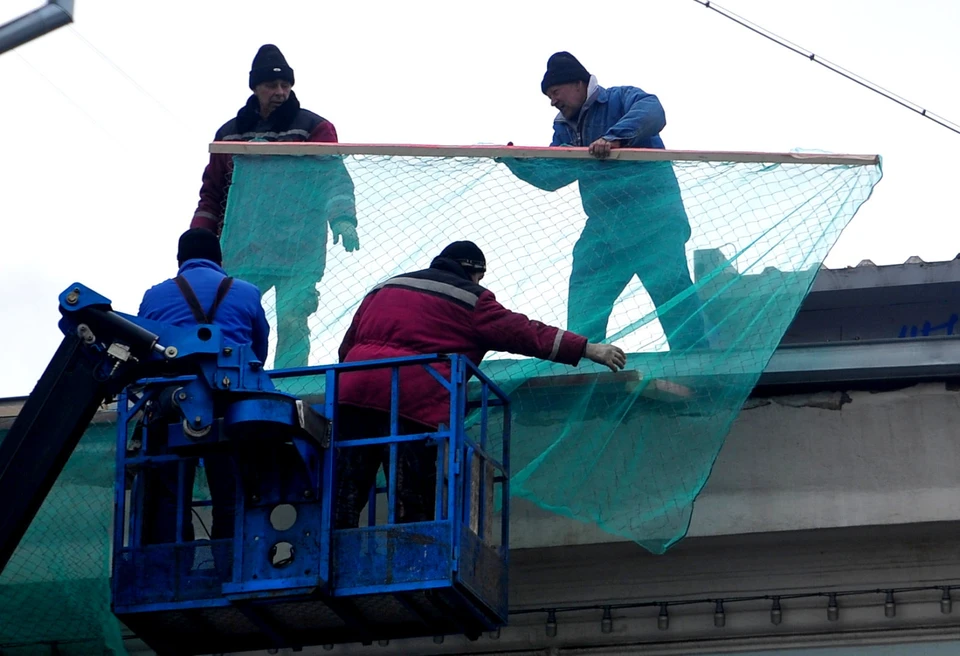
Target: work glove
{"x":345,"y":228}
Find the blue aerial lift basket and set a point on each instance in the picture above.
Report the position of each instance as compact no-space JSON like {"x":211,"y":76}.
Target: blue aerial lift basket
{"x":286,"y":578}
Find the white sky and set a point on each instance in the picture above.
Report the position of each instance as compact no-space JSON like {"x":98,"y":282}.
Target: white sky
{"x":102,"y":155}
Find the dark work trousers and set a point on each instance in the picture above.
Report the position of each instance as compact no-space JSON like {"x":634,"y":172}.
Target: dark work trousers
{"x":161,"y":492}
{"x":357,"y":467}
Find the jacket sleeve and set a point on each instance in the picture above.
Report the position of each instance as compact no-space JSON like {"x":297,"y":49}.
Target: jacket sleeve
{"x":500,"y":329}
{"x":350,"y":338}
{"x":643,"y":117}
{"x":213,"y":193}
{"x":545,"y":174}
{"x":261,"y":328}
{"x":334,"y":179}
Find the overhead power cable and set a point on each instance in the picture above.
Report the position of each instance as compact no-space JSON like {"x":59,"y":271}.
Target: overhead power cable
{"x":123,"y":73}
{"x":839,"y":70}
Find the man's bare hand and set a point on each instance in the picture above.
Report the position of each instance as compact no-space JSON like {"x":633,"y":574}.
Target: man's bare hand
{"x":601,"y":148}
{"x":345,"y":229}
{"x":608,"y":355}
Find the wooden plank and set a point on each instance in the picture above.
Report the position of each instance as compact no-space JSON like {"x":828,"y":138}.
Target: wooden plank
{"x":621,"y":154}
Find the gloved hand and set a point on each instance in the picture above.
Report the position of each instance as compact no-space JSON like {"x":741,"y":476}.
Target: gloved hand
{"x":345,"y":228}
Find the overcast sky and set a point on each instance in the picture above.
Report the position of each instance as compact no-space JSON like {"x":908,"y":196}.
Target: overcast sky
{"x":108,"y":120}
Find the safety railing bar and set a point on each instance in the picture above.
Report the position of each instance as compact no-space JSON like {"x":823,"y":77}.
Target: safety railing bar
{"x":439,"y":483}
{"x":447,"y":383}
{"x":394,"y":400}
{"x":453,"y":450}
{"x":147,"y":460}
{"x":165,"y":381}
{"x":485,"y":455}
{"x":484,"y":415}
{"x":372,"y":503}
{"x":505,"y":492}
{"x":404,"y":361}
{"x":467,"y":468}
{"x":120,"y":488}
{"x":394,"y":449}
{"x":493,"y":403}
{"x":163,"y":546}
{"x":379,"y":527}
{"x":181,"y":472}
{"x":330,"y":473}
{"x":394,"y":439}
{"x":392,"y":486}
{"x":472,"y":368}
{"x":135,"y":408}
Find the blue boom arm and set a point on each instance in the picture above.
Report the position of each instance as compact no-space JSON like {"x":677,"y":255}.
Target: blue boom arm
{"x":102,"y":352}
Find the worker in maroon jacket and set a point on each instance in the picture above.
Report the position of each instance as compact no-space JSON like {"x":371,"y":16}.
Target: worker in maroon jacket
{"x":442,"y":309}
{"x":288,"y":251}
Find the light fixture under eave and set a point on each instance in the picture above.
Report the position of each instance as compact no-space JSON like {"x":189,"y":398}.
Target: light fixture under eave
{"x":606,"y":624}
{"x":890,"y":605}
{"x":551,"y":624}
{"x":719,"y":617}
{"x":776,"y":613}
{"x":663,"y":619}
{"x":833,"y":611}
{"x":946,"y":603}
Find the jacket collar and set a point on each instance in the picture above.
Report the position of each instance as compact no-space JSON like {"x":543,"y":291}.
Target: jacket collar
{"x":450,"y":266}
{"x":198,"y":263}
{"x":282,"y":117}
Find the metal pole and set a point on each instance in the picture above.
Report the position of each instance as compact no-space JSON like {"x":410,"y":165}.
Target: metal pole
{"x":56,"y":13}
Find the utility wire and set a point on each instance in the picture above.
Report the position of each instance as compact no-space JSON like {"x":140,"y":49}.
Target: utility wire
{"x":128,"y":77}
{"x":839,"y":70}
{"x":67,"y":97}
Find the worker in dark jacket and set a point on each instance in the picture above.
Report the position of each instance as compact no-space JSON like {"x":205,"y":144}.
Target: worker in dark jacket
{"x":442,"y":309}
{"x":289,"y":251}
{"x":636,"y":221}
{"x":201,"y":293}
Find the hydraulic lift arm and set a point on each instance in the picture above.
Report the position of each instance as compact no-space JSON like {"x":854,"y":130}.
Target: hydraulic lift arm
{"x":43,"y":436}
{"x":100,"y":353}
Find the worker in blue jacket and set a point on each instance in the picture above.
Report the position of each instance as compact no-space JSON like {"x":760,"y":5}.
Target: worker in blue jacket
{"x":636,"y":222}
{"x":201,"y":293}
{"x":201,"y":283}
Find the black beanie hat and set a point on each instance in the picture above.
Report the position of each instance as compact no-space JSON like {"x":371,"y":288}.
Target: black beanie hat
{"x":467,"y":254}
{"x":199,"y":244}
{"x":562,"y":67}
{"x":269,"y":64}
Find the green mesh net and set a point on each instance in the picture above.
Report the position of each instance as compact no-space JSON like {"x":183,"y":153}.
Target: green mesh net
{"x":55,"y":590}
{"x":602,"y":248}
{"x":695,"y":268}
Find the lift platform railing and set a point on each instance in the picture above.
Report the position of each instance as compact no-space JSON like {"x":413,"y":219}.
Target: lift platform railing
{"x":385,"y":579}
{"x":462,"y":369}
